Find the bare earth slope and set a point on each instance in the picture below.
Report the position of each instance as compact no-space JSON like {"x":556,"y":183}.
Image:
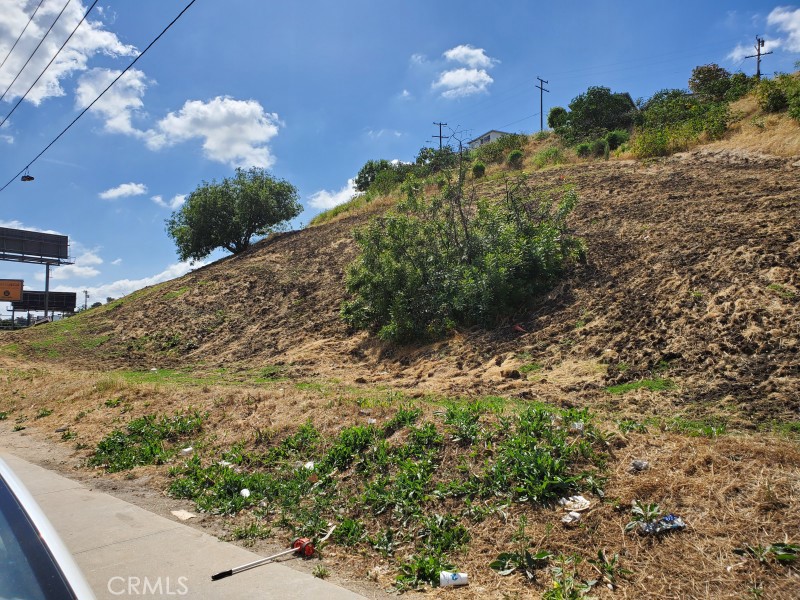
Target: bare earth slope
{"x":693,"y":266}
{"x":692,"y":280}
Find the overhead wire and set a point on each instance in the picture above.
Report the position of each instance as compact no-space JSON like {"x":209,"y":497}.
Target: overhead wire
{"x":86,"y":14}
{"x":100,"y":95}
{"x":35,"y":49}
{"x":24,"y":29}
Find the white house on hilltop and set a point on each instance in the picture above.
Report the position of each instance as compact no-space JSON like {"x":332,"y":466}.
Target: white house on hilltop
{"x":489,"y":136}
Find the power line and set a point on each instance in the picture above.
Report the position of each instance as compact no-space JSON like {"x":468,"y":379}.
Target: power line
{"x":85,"y":110}
{"x":19,"y":37}
{"x":35,"y":49}
{"x":86,"y":14}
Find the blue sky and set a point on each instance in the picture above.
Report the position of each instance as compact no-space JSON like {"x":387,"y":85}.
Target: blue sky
{"x":310,"y":90}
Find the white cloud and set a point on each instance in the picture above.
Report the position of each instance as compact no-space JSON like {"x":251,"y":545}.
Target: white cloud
{"x":471,"y":79}
{"x":15,"y":224}
{"x":377,"y":134}
{"x":84,"y":267}
{"x":89,"y":40}
{"x":116,"y":262}
{"x":124,"y":190}
{"x":418,"y":59}
{"x":123,"y":287}
{"x":119,"y":104}
{"x":405,"y":95}
{"x":474,"y":58}
{"x":234,"y":132}
{"x":463,"y":82}
{"x":324,"y":199}
{"x":787,"y":21}
{"x":176,"y":202}
{"x":741,"y":51}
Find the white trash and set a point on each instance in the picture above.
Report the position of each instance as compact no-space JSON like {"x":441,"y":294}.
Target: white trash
{"x":571,"y":518}
{"x":187,"y":451}
{"x":245,"y":493}
{"x":309,"y":465}
{"x":575,"y":503}
{"x":448,"y":578}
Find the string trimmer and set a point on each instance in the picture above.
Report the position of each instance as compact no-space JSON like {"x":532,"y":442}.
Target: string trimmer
{"x":301,"y":547}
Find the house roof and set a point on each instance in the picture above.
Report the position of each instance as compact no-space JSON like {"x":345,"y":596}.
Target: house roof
{"x":489,"y":132}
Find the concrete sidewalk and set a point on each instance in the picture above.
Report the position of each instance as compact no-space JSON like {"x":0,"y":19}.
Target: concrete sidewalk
{"x":126,"y":551}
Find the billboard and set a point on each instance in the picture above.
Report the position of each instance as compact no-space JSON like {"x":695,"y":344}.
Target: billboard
{"x":58,"y":301}
{"x":18,"y":243}
{"x":10,"y":290}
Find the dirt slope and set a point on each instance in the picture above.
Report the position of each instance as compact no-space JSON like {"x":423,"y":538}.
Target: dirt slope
{"x":693,"y":269}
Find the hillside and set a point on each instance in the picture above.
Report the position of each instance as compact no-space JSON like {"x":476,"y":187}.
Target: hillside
{"x":693,"y":262}
{"x":680,"y":333}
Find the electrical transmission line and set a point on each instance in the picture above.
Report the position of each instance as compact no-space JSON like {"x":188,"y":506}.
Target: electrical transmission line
{"x":35,"y":49}
{"x":100,"y":95}
{"x":19,"y":37}
{"x":28,"y":91}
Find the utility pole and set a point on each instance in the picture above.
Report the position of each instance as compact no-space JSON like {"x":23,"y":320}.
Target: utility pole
{"x":440,"y":136}
{"x":758,"y":55}
{"x":85,"y":298}
{"x":542,"y":90}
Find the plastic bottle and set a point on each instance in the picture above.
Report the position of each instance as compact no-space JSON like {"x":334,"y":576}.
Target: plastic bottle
{"x":448,"y":578}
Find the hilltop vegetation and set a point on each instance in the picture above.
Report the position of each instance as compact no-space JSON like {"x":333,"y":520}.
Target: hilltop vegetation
{"x":655,"y":371}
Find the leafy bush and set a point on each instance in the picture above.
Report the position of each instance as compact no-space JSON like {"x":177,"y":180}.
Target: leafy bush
{"x":771,"y":95}
{"x":498,"y":150}
{"x":672,"y":121}
{"x":740,"y":85}
{"x":584,"y":149}
{"x":478,"y":170}
{"x":549,"y":156}
{"x":592,"y":114}
{"x":434,"y":263}
{"x":616,"y":138}
{"x":600,"y":148}
{"x":710,"y":81}
{"x":515,"y":159}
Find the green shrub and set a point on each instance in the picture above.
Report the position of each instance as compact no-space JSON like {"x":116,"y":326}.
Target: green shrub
{"x":515,"y":159}
{"x":740,"y":85}
{"x":584,"y":149}
{"x":434,"y":263}
{"x":600,"y":148}
{"x":478,"y":170}
{"x":771,"y":95}
{"x":616,"y":138}
{"x":497,"y":151}
{"x":549,"y":156}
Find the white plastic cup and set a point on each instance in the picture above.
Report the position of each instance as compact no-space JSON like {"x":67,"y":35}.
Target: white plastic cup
{"x":448,"y":578}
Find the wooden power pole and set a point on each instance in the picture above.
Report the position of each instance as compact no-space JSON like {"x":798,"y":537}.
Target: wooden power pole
{"x":542,"y":90}
{"x":758,"y":55}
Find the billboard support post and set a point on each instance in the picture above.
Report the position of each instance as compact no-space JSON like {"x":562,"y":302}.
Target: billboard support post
{"x":46,"y":288}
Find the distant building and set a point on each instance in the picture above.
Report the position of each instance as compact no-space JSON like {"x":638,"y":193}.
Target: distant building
{"x":489,"y":136}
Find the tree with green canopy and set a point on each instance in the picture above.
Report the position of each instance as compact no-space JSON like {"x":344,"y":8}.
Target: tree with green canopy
{"x":228,"y":214}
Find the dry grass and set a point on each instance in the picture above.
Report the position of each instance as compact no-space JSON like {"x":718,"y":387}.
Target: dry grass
{"x":732,"y":491}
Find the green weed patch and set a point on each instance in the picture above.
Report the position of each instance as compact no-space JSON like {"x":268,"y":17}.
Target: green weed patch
{"x":390,"y":485}
{"x":148,"y":440}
